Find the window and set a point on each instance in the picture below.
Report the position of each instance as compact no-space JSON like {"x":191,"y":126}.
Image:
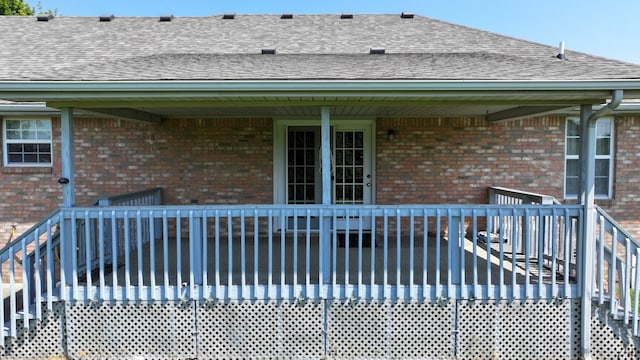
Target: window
{"x":27,"y":142}
{"x":604,"y":158}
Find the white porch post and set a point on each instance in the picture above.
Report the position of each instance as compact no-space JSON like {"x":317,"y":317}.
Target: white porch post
{"x":586,"y":247}
{"x":325,"y":140}
{"x":68,"y":192}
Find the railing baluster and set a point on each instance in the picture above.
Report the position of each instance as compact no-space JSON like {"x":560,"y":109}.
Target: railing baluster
{"x":152,"y":255}
{"x":554,"y":248}
{"x":256,"y":240}
{"x":37,"y":275}
{"x":425,"y":254}
{"x":243,"y":254}
{"x":600,"y":268}
{"x":74,"y":256}
{"x":474,"y":237}
{"x":385,"y":255}
{"x":307,"y":256}
{"x":636,"y":292}
{"x":179,"y":282}
{"x":438,"y":240}
{"x":282,"y":253}
{"x":114,"y":255}
{"x":372,"y":280}
{"x":398,"y":254}
{"x":127,"y":256}
{"x":204,"y":258}
{"x":568,"y":223}
{"x":501,"y":271}
{"x":101,"y":251}
{"x":411,"y":250}
{"x":270,"y":256}
{"x":514,"y":246}
{"x":88,"y":259}
{"x":217,"y":253}
{"x":295,"y":254}
{"x":140,"y":253}
{"x":526,"y":232}
{"x":612,"y":272}
{"x":360,"y":249}
{"x":346,"y":249}
{"x":50,"y":270}
{"x":334,"y":240}
{"x":624,"y":286}
{"x":26,"y":284}
{"x":165,"y":254}
{"x":229,"y":250}
{"x":2,"y":310}
{"x":12,"y":293}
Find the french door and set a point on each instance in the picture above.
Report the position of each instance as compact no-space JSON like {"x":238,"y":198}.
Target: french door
{"x":352,"y":175}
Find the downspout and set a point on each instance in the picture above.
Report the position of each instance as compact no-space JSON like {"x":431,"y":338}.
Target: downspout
{"x":616,"y":99}
{"x":587,"y":197}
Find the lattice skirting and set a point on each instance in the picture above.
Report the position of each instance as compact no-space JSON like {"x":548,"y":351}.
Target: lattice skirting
{"x":320,"y":330}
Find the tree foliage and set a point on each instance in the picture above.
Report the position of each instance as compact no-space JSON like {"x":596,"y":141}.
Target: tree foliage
{"x":15,"y":7}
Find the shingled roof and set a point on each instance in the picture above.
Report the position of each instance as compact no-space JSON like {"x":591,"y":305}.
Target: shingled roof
{"x":307,"y":47}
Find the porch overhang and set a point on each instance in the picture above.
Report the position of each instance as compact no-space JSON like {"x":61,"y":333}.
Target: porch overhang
{"x":151,"y":101}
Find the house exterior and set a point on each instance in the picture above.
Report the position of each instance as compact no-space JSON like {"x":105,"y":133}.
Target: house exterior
{"x":361,"y":115}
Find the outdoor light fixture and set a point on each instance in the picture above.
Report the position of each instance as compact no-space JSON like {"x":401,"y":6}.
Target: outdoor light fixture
{"x":391,"y":134}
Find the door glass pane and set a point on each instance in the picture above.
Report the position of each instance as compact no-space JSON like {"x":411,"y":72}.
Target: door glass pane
{"x":349,"y":167}
{"x":301,"y":171}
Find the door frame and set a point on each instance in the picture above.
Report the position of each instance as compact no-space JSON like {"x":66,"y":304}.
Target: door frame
{"x":280,"y":128}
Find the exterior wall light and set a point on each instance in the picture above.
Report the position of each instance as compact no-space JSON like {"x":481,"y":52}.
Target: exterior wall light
{"x":391,"y":134}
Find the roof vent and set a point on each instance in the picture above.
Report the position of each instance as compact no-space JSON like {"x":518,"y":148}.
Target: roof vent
{"x":376,"y":51}
{"x":269,"y":51}
{"x":406,"y":15}
{"x":286,"y":16}
{"x":229,"y":16}
{"x":106,"y":17}
{"x":346,"y":16}
{"x":166,"y":17}
{"x":561,"y":53}
{"x":45,"y":17}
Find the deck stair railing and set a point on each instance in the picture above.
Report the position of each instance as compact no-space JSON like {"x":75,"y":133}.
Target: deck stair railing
{"x":513,"y":232}
{"x":149,"y":197}
{"x":616,"y":277}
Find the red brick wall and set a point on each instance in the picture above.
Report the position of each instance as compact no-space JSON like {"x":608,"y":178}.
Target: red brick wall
{"x":229,"y":161}
{"x":439,"y":160}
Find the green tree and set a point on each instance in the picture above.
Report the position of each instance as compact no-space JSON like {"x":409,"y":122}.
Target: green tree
{"x":15,"y":7}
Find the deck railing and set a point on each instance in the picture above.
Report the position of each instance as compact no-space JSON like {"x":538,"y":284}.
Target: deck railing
{"x":211,"y":253}
{"x":617,"y":278}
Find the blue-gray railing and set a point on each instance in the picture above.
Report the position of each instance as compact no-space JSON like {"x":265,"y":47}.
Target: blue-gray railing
{"x":617,"y":278}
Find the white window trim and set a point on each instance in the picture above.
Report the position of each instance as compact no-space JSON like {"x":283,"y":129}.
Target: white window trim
{"x":610,"y":157}
{"x":5,"y":141}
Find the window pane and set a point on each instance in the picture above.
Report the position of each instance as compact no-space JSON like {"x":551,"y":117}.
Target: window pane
{"x":602,"y":187}
{"x":602,"y":168}
{"x":43,"y":135}
{"x":572,"y":187}
{"x":603,"y":128}
{"x":603,"y":145}
{"x":573,"y":145}
{"x":573,"y":167}
{"x":13,"y":124}
{"x":573,"y":128}
{"x":28,"y":135}
{"x":13,"y":134}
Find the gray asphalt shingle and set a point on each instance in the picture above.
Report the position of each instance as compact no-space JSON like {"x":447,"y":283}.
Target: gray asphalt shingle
{"x":308,"y":47}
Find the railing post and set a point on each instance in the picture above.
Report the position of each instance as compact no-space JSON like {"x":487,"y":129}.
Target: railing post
{"x":454,"y":242}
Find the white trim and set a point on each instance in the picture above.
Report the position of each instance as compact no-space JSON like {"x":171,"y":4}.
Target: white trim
{"x":6,"y":142}
{"x":610,"y":157}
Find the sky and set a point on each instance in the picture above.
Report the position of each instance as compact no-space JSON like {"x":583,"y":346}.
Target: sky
{"x":606,"y":28}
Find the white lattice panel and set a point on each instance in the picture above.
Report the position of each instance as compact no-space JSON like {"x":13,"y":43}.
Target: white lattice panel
{"x":260,"y":330}
{"x":610,"y":339}
{"x":385,"y":330}
{"x":43,"y":339}
{"x":149,"y":331}
{"x":515,"y":330}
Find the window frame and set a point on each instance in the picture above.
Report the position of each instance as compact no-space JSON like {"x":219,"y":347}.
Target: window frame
{"x":609,"y":156}
{"x":6,"y":142}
